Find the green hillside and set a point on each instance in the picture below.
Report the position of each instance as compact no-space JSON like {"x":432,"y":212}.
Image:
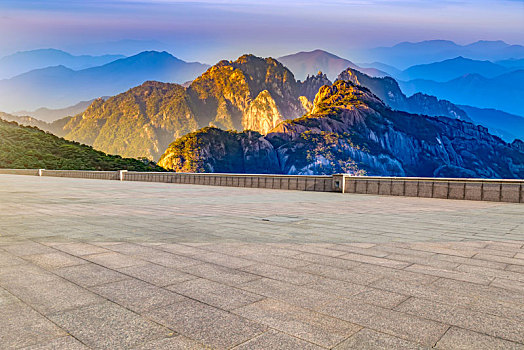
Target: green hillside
{"x":24,"y":147}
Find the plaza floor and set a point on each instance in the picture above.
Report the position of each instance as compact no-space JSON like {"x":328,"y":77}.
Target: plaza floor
{"x":94,"y":264}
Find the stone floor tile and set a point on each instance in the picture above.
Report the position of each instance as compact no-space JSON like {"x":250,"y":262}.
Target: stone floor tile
{"x":511,"y":285}
{"x":7,"y":259}
{"x":178,"y":342}
{"x":136,"y":295}
{"x":114,"y":260}
{"x":220,"y":274}
{"x":402,"y":325}
{"x":337,"y":287}
{"x":109,"y":326}
{"x":22,"y":326}
{"x":206,"y":324}
{"x":319,"y":250}
{"x":326,"y":260}
{"x":156,"y":274}
{"x":215,"y":294}
{"x":62,"y":343}
{"x":281,"y":274}
{"x":301,"y":323}
{"x":276,"y":340}
{"x":516,"y":268}
{"x":27,"y":248}
{"x":54,"y":296}
{"x":291,"y":294}
{"x":368,"y":339}
{"x":382,"y":298}
{"x":80,"y":249}
{"x":451,"y":274}
{"x":480,"y":322}
{"x":224,"y":260}
{"x":340,"y":274}
{"x":375,"y":261}
{"x":88,"y":275}
{"x":55,"y":260}
{"x":501,"y":259}
{"x":463,"y":339}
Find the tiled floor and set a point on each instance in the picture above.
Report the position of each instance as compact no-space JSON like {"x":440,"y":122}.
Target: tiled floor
{"x":119,"y":265}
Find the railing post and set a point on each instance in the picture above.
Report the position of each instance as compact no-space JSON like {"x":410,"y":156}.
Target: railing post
{"x":121,"y":174}
{"x":41,"y":172}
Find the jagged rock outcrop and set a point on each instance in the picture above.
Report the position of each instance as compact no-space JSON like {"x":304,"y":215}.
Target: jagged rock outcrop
{"x":388,"y":90}
{"x":310,"y":86}
{"x":351,"y":130}
{"x":249,"y":93}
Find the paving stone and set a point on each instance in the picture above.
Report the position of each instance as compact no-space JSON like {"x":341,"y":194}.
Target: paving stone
{"x":292,"y":294}
{"x":109,"y":326}
{"x":54,"y":260}
{"x":461,"y":276}
{"x":463,"y":339}
{"x":281,"y":274}
{"x":224,"y":260}
{"x":480,"y":322}
{"x":22,"y":326}
{"x":220,"y":274}
{"x":326,"y":260}
{"x":368,"y":339}
{"x":362,"y":278}
{"x":337,"y":287}
{"x":7,"y":259}
{"x":375,"y":261}
{"x":215,"y":294}
{"x":382,"y":298}
{"x":516,"y":286}
{"x":172,"y":343}
{"x":28,"y":248}
{"x":80,"y":249}
{"x":407,"y":327}
{"x":62,"y":343}
{"x":114,"y":260}
{"x":56,"y":295}
{"x":498,"y":258}
{"x":276,"y":340}
{"x":276,"y":260}
{"x":305,"y":324}
{"x":136,"y":295}
{"x":88,"y":275}
{"x":156,"y":274}
{"x":206,"y":324}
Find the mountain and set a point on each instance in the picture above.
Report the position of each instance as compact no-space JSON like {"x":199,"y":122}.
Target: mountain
{"x":504,"y":92}
{"x":388,"y":90}
{"x":453,"y":68}
{"x":407,"y":54}
{"x":249,"y":93}
{"x":25,"y":61}
{"x":303,"y":64}
{"x":60,"y":86}
{"x":505,"y":125}
{"x":50,"y":115}
{"x":512,"y":63}
{"x":350,"y":130}
{"x":23,"y":147}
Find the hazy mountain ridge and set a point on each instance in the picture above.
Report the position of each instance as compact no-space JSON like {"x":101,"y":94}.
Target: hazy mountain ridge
{"x":25,"y":61}
{"x":406,"y":54}
{"x":304,"y":64}
{"x":504,"y":92}
{"x":351,"y":130}
{"x":55,"y":87}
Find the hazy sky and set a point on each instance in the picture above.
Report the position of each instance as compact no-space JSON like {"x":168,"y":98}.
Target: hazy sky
{"x":211,"y":30}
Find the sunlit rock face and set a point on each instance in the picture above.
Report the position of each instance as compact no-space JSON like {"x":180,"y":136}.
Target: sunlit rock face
{"x":351,"y":130}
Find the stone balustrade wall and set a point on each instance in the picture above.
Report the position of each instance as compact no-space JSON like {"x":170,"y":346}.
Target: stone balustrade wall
{"x":465,"y":189}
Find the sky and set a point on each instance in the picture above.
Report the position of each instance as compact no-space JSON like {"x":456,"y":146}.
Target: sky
{"x":207,"y":31}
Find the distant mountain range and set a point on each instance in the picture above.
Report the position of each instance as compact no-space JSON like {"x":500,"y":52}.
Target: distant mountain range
{"x":407,"y":54}
{"x":59,"y":86}
{"x":504,"y":92}
{"x":25,"y":61}
{"x":303,"y":64}
{"x":453,"y":68}
{"x":50,"y":115}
